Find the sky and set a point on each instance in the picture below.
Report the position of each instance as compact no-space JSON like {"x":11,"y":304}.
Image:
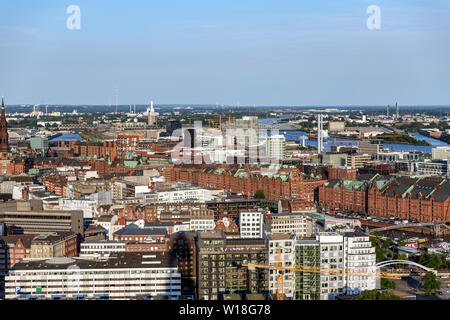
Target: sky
{"x":246,"y":52}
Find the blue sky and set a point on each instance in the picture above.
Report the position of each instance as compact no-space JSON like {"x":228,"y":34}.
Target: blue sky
{"x":226,"y":52}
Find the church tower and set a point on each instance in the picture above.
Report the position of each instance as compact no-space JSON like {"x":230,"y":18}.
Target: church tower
{"x":4,"y":143}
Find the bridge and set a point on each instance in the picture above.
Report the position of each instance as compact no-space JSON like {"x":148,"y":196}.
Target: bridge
{"x":438,"y":227}
{"x":392,"y":262}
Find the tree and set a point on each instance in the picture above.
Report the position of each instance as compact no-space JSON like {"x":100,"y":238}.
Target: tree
{"x":431,"y":283}
{"x":259,"y":194}
{"x":432,"y":261}
{"x":387,"y":243}
{"x":374,"y":241}
{"x":376,"y":295}
{"x":379,"y":253}
{"x":387,"y":284}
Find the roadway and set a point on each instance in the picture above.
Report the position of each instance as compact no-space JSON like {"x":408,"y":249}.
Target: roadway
{"x":413,"y":285}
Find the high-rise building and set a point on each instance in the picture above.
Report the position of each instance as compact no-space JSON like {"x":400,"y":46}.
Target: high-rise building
{"x":351,"y":252}
{"x":276,"y":147}
{"x":282,"y":253}
{"x":319,"y":133}
{"x":370,"y":146}
{"x":248,"y":122}
{"x":307,"y":284}
{"x":220,"y":268}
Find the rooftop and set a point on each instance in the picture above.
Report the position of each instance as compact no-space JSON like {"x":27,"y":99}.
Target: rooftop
{"x":122,"y":260}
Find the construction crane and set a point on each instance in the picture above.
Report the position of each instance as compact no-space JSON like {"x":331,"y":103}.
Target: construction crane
{"x":336,"y":271}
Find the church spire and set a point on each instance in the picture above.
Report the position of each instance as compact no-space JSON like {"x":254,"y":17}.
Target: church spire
{"x":4,"y":139}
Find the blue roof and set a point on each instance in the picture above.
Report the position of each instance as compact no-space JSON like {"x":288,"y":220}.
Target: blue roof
{"x":67,"y":137}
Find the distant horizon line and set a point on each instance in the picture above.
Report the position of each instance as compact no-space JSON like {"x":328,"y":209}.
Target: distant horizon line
{"x":227,"y":106}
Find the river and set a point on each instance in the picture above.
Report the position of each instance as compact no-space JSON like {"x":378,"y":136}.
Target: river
{"x":295,"y":135}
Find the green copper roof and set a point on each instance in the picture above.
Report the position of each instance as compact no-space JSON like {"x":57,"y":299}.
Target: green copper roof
{"x":130,"y":163}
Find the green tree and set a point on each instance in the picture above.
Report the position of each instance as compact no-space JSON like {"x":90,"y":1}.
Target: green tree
{"x":387,"y":243}
{"x":432,"y":261}
{"x":387,"y":284}
{"x":430,"y":283}
{"x":259,"y":194}
{"x":374,"y":241}
{"x":379,"y":253}
{"x":376,"y":295}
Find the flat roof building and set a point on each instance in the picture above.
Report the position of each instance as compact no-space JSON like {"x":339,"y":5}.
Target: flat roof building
{"x":122,"y":276}
{"x":25,"y":217}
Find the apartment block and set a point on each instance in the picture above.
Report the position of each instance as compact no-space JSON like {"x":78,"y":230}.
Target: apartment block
{"x":220,"y":268}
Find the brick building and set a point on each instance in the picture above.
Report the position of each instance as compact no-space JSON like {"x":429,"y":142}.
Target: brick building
{"x":288,"y":182}
{"x":414,"y":199}
{"x":105,"y":149}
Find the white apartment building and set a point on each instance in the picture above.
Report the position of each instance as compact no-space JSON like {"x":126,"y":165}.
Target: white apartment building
{"x":276,"y":147}
{"x":301,"y":225}
{"x":331,"y":256}
{"x":251,"y":224}
{"x":351,"y":252}
{"x":100,"y":249}
{"x":359,"y":258}
{"x":127,"y":275}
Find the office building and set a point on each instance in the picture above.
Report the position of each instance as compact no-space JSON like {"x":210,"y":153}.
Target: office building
{"x":124,"y":276}
{"x":220,"y":267}
{"x":440,"y":153}
{"x":29,"y":217}
{"x":251,"y":224}
{"x":370,"y":147}
{"x":299,"y":224}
